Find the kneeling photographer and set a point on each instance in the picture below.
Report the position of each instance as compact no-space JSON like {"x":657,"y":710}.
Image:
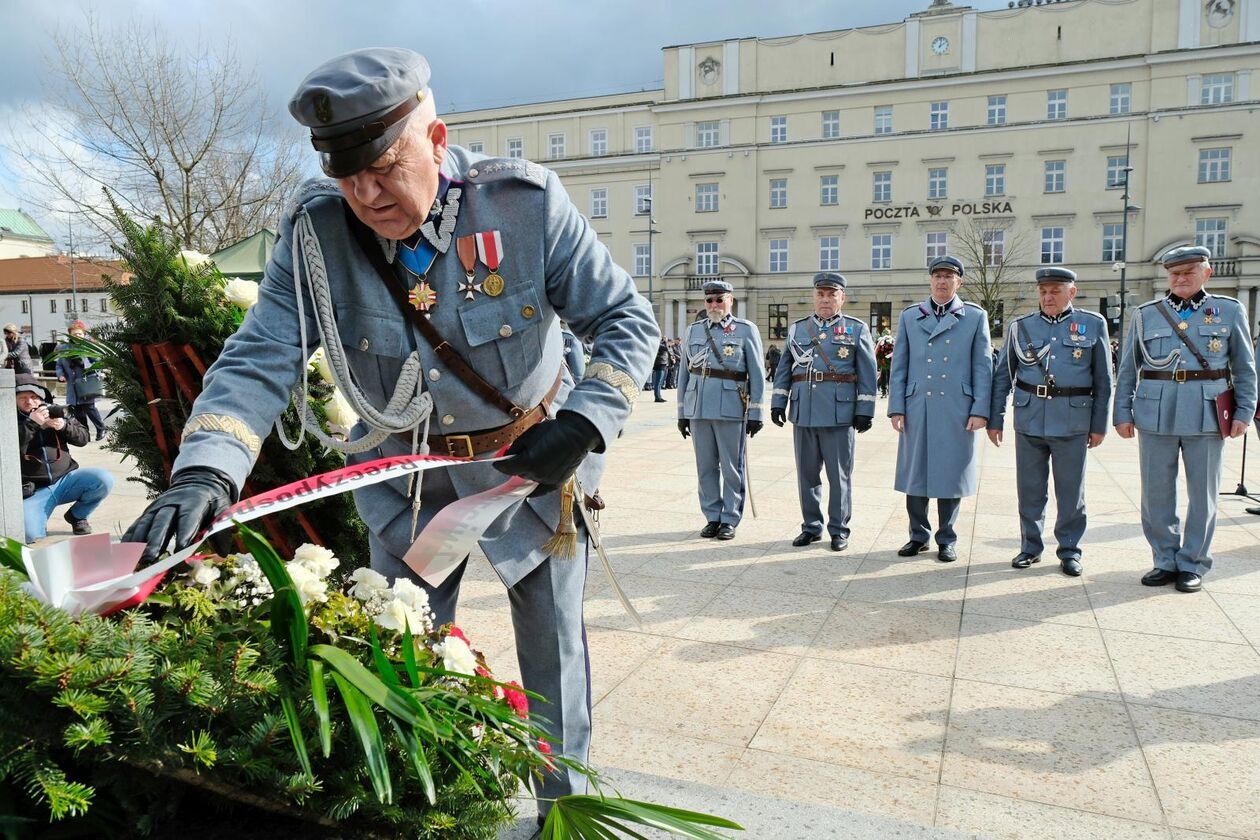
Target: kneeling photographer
{"x":50,"y":477}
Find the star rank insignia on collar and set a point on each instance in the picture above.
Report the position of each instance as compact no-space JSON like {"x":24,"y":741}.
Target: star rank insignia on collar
{"x":423,"y":297}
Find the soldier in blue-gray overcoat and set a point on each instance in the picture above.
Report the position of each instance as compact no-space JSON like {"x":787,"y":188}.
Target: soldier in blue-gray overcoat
{"x":1183,"y":351}
{"x":1058,"y":361}
{"x":492,"y":252}
{"x":721,"y":382}
{"x":938,"y":398}
{"x":825,"y":384}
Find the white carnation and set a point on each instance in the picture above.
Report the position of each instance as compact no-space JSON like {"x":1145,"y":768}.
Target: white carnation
{"x":457,"y":656}
{"x":339,"y":411}
{"x":368,"y":584}
{"x":398,"y":616}
{"x":318,"y":559}
{"x":243,"y":293}
{"x":310,"y":587}
{"x":319,"y":361}
{"x":205,"y":573}
{"x":193,"y":259}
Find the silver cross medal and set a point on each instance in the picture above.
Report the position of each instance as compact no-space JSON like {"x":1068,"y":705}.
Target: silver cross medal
{"x":469,"y":287}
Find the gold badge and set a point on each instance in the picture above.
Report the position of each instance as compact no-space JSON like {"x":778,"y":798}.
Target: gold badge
{"x":844,"y":352}
{"x":527,"y":311}
{"x":1182,"y":326}
{"x":492,"y":285}
{"x":1077,"y":353}
{"x":1214,"y":345}
{"x":728,"y":350}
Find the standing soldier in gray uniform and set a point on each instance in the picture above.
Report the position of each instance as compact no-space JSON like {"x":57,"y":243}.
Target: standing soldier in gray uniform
{"x":1059,"y":361}
{"x":434,"y":279}
{"x":721,"y":380}
{"x":939,"y":391}
{"x":825,"y":384}
{"x":1182,"y":351}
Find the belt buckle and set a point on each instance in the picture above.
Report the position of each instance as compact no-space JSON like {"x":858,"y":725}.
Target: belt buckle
{"x":465,"y":440}
{"x":1043,"y":391}
{"x":815,"y":376}
{"x":1179,"y":375}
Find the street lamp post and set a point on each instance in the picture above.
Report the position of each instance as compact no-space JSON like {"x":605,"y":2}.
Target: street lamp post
{"x":1124,"y":240}
{"x":651,"y":250}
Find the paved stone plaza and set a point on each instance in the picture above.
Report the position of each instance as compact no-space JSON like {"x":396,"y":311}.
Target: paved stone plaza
{"x":927,"y":698}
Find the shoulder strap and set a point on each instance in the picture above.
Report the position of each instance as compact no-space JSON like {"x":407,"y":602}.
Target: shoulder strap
{"x":816,"y":341}
{"x":1163,"y":310}
{"x":717,"y":354}
{"x":479,"y":386}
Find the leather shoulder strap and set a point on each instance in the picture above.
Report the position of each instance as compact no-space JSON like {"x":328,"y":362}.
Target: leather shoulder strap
{"x":1163,"y":310}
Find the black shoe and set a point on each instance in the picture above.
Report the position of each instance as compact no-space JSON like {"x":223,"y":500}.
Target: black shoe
{"x":710,"y":531}
{"x":805,"y":538}
{"x":660,"y":401}
{"x":1071,"y":566}
{"x":100,"y":435}
{"x":839,"y":543}
{"x":912,"y":548}
{"x":1023,"y":560}
{"x":946,"y":553}
{"x":1189,"y":582}
{"x":1158,"y":577}
{"x":725,"y":531}
{"x":80,"y":527}
{"x":1255,"y":511}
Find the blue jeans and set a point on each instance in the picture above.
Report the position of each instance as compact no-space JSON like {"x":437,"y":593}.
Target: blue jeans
{"x":658,"y":381}
{"x":84,"y":489}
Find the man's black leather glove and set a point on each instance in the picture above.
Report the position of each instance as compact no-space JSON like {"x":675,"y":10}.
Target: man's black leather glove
{"x":778,"y":416}
{"x":551,"y":451}
{"x":684,"y":426}
{"x":28,"y":489}
{"x":196,"y":496}
{"x":861,"y":423}
{"x":753,"y":426}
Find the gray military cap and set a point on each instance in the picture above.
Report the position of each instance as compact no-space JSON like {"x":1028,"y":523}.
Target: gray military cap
{"x":716,"y":286}
{"x":356,"y":105}
{"x":829,"y":280}
{"x":952,"y":263}
{"x":1185,"y":254}
{"x":1055,"y":274}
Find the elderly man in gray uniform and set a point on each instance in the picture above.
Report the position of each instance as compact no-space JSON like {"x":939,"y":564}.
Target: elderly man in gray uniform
{"x":1058,"y":359}
{"x":435,"y":280}
{"x":825,"y":384}
{"x":938,"y":397}
{"x":720,"y":386}
{"x":1181,"y":353}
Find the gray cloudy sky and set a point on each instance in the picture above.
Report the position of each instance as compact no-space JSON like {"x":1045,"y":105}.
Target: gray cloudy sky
{"x":483,"y":52}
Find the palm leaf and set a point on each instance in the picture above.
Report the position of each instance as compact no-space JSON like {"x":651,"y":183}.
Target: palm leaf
{"x":363,"y":722}
{"x":11,"y":557}
{"x":581,"y":810}
{"x":288,"y":618}
{"x":419,"y":761}
{"x":319,"y":699}
{"x":294,"y":723}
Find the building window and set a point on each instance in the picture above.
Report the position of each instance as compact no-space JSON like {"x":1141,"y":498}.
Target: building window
{"x":1121,"y":98}
{"x":938,"y":116}
{"x":26,"y":307}
{"x":642,"y":139}
{"x":642,"y":259}
{"x":997,"y":110}
{"x":881,"y":186}
{"x":778,"y":320}
{"x":1217,"y":89}
{"x":937,"y":182}
{"x":830,"y":125}
{"x":706,"y":198}
{"x":69,"y":304}
{"x":515,"y":147}
{"x":778,"y":256}
{"x":778,"y":129}
{"x":83,"y":306}
{"x":555,"y":146}
{"x":995,"y":179}
{"x":1210,"y":234}
{"x":708,"y":134}
{"x":829,"y":190}
{"x":477,"y":147}
{"x":1115,"y":171}
{"x":1051,"y":245}
{"x":1113,"y":242}
{"x":881,"y":316}
{"x":937,"y":245}
{"x":1056,"y":104}
{"x":642,"y":199}
{"x":881,"y":251}
{"x":599,"y":141}
{"x":778,"y":193}
{"x":828,"y":253}
{"x":599,"y":203}
{"x":104,"y":304}
{"x":1056,"y":176}
{"x":997,"y":319}
{"x":52,"y":305}
{"x":1213,"y":165}
{"x":993,"y":242}
{"x":706,"y":259}
{"x":883,"y":119}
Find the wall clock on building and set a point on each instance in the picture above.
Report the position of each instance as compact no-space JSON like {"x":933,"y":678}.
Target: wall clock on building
{"x":940,"y":45}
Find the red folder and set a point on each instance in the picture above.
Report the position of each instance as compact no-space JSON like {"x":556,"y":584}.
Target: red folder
{"x":1225,"y":411}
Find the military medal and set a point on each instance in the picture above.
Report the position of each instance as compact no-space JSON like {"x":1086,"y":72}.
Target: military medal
{"x":490,"y":249}
{"x":1077,"y":353}
{"x":728,"y":350}
{"x":466,"y":247}
{"x":844,"y":352}
{"x":1183,"y":326}
{"x":423,"y":297}
{"x":1214,"y":345}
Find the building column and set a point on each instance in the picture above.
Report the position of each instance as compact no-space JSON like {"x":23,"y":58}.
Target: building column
{"x":668,"y":328}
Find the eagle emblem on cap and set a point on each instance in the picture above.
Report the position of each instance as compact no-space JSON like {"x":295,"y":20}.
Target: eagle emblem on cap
{"x":323,"y":108}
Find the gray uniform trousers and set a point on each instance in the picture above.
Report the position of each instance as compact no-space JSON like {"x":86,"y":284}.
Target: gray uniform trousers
{"x":1034,"y":457}
{"x":946,"y":513}
{"x":818,"y":447}
{"x":1178,"y":548}
{"x":720,"y":442}
{"x":551,"y":646}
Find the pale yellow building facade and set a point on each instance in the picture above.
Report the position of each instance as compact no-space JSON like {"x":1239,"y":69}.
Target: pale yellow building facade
{"x":1000,"y":135}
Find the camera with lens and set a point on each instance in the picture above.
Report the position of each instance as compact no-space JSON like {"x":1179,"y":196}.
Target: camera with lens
{"x":56,"y":411}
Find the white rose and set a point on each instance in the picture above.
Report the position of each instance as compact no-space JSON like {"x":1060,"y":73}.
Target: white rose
{"x":309,"y":586}
{"x":457,"y":656}
{"x":339,"y":411}
{"x":193,"y":259}
{"x":398,"y":617}
{"x":319,"y":361}
{"x":367,"y":583}
{"x":318,"y":559}
{"x":205,"y":573}
{"x":243,"y":293}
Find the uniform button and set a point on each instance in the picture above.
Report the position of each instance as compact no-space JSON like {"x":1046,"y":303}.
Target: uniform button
{"x":505,"y":331}
{"x":945,"y":359}
{"x":929,"y":361}
{"x":363,"y":344}
{"x":1052,"y":355}
{"x":944,"y":376}
{"x":527,"y":311}
{"x":435,"y":375}
{"x":947,"y":341}
{"x":472,"y":173}
{"x":448,"y":419}
{"x":1054,"y":338}
{"x":929,"y":376}
{"x":929,"y":344}
{"x":929,"y":393}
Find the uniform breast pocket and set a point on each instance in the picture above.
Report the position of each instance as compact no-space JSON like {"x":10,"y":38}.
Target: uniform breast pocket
{"x":732,"y":354}
{"x":505,"y":335}
{"x":373,"y":345}
{"x":1158,"y":341}
{"x":1214,"y":341}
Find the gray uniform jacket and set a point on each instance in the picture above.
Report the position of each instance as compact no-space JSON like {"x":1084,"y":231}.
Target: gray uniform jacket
{"x":842,"y":345}
{"x":1075,"y":351}
{"x":942,"y":373}
{"x":553,"y":266}
{"x":738,"y":346}
{"x":1168,"y":407}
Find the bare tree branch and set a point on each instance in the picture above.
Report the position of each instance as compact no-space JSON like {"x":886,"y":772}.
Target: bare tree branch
{"x":996,"y":255}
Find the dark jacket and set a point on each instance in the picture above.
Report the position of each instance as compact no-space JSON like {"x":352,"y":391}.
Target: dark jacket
{"x":45,"y":452}
{"x":662,"y":357}
{"x":72,"y":369}
{"x":17,"y":355}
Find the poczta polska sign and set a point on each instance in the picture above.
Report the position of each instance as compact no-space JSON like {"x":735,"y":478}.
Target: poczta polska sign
{"x":961,"y":208}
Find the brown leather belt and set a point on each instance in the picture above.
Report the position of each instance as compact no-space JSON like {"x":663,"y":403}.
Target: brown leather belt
{"x":485,"y":441}
{"x":1185,"y":375}
{"x":1047,"y":391}
{"x":824,"y":376}
{"x":718,"y":373}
